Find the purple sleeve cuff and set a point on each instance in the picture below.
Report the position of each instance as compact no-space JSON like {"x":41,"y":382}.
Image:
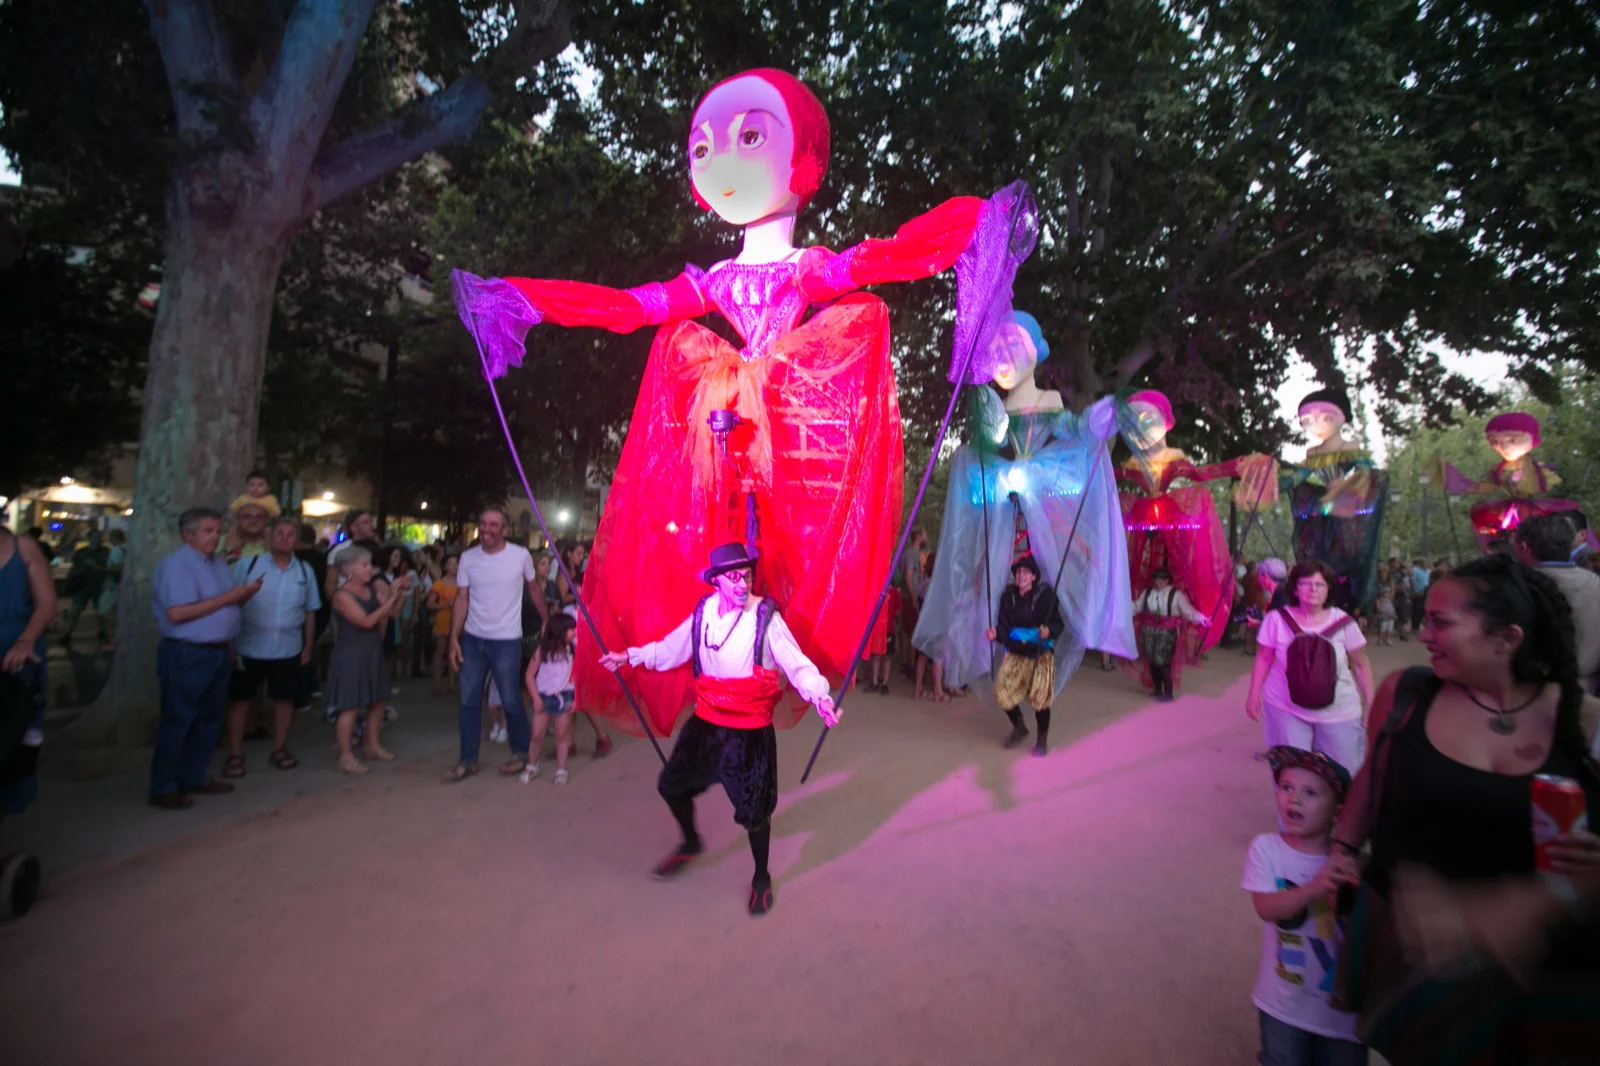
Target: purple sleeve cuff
{"x":654,"y":299}
{"x":836,"y":274}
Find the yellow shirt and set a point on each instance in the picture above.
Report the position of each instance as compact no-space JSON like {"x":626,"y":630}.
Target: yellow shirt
{"x":269,"y":501}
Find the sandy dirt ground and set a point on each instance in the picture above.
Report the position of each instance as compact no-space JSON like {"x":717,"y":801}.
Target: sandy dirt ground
{"x":939,"y":900}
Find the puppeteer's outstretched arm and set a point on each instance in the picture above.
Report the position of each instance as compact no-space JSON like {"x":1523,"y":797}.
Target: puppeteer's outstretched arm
{"x":927,"y":245}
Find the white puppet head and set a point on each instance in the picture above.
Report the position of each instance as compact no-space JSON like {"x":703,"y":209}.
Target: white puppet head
{"x":758,"y":147}
{"x":1152,"y":413}
{"x":1324,"y":414}
{"x":1017,"y":350}
{"x":1513,"y":434}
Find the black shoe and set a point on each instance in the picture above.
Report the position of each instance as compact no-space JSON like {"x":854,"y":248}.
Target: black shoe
{"x":212,"y":788}
{"x":761,"y":898}
{"x":172,"y":801}
{"x":1018,"y":737}
{"x":1041,"y":749}
{"x":674,"y":864}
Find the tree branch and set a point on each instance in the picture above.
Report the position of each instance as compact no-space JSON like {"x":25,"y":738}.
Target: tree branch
{"x":198,"y":63}
{"x":542,"y":30}
{"x":1282,"y":245}
{"x":297,"y":98}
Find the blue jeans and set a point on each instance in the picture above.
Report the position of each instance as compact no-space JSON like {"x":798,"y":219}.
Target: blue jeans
{"x":502,"y":660}
{"x":194,"y":691}
{"x":1284,"y":1045}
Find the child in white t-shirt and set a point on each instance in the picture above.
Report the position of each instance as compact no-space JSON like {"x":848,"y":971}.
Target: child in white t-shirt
{"x":1294,"y":893}
{"x":549,"y":680}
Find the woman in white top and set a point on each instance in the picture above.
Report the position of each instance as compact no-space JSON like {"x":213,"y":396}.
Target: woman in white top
{"x":549,"y":680}
{"x":1335,"y":730}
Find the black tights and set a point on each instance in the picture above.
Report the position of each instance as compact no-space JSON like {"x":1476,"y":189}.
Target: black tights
{"x":760,"y":835}
{"x":1043,"y":717}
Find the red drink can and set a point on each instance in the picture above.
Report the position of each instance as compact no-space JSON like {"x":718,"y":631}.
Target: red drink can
{"x":1558,"y":807}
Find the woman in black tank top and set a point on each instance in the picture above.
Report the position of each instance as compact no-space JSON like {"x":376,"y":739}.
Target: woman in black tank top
{"x":1459,"y":948}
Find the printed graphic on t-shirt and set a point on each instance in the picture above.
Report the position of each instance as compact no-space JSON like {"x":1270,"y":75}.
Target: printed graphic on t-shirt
{"x":1313,"y":933}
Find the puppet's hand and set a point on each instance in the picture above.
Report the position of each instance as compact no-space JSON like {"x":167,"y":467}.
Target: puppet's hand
{"x":498,"y":316}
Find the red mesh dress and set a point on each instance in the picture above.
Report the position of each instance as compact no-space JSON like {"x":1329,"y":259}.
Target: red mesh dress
{"x":1178,"y":528}
{"x":819,"y":444}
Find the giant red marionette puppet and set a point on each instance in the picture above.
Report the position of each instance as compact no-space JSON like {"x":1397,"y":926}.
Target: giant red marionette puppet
{"x":788,"y":441}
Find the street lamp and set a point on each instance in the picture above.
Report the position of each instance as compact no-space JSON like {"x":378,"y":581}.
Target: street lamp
{"x":328,"y":495}
{"x":424,"y":505}
{"x":563,"y":516}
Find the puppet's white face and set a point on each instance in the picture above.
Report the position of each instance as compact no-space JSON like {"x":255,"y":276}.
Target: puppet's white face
{"x":1511,"y":446}
{"x":1014,"y":356}
{"x":740,"y":150}
{"x":1151,"y":422}
{"x":1321,"y":421}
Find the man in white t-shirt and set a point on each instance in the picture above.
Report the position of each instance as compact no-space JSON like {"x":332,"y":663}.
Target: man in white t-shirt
{"x":486,"y":639}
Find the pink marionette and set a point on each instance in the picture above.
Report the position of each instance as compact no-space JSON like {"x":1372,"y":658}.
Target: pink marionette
{"x":789,"y":441}
{"x":1173,"y":529}
{"x":1517,"y":487}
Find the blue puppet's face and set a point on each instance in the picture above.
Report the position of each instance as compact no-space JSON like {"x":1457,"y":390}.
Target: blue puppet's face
{"x":1013,"y":356}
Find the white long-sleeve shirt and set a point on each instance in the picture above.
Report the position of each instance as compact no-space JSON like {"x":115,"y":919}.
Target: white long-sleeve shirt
{"x":1154,"y":601}
{"x":735,"y":658}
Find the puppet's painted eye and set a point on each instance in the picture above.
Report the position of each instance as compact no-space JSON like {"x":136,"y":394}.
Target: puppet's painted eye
{"x":752,"y":139}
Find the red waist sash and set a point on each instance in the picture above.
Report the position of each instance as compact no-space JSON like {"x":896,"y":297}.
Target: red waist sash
{"x":738,"y":702}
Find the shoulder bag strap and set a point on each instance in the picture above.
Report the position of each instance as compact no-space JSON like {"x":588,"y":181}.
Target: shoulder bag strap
{"x":694,"y":636}
{"x":1293,"y":625}
{"x":1327,"y":634}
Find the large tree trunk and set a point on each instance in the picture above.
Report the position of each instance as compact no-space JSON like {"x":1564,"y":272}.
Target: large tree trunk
{"x":198,"y":429}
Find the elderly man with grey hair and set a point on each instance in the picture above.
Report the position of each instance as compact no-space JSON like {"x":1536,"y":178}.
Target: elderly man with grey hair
{"x":196,"y":603}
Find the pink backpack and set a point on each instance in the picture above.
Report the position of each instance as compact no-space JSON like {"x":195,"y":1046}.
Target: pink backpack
{"x":1311,"y":664}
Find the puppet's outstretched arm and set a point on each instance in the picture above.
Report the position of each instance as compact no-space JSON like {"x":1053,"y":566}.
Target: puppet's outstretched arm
{"x":927,"y":245}
{"x":500,"y":311}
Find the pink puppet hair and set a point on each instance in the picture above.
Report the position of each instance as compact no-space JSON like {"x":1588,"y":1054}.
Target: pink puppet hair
{"x":1157,"y":400}
{"x":811,"y":131}
{"x":1514,"y":422}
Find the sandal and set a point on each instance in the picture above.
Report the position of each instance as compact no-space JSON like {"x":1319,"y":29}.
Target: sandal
{"x":352,"y":765}
{"x":233,"y":766}
{"x":459,"y":773}
{"x":514,"y":765}
{"x":282,"y":759}
{"x":602,"y":747}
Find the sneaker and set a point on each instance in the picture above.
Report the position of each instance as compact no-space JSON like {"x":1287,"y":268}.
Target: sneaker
{"x":302,"y":710}
{"x":1018,"y":737}
{"x":602,"y":747}
{"x":561,"y":777}
{"x":531,"y":771}
{"x":390,"y":714}
{"x":497,"y":734}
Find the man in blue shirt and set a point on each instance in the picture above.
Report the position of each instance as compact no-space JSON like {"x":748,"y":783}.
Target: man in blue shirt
{"x":276,"y":630}
{"x":196,"y":602}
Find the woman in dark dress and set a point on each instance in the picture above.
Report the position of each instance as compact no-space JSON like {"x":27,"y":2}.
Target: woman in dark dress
{"x":358,"y":678}
{"x":1459,"y":951}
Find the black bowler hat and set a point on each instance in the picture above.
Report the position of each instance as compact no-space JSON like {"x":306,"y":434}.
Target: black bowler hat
{"x":727,"y":557}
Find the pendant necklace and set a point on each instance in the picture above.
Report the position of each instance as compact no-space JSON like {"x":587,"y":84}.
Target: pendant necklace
{"x":718,"y":646}
{"x":1502,"y":722}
